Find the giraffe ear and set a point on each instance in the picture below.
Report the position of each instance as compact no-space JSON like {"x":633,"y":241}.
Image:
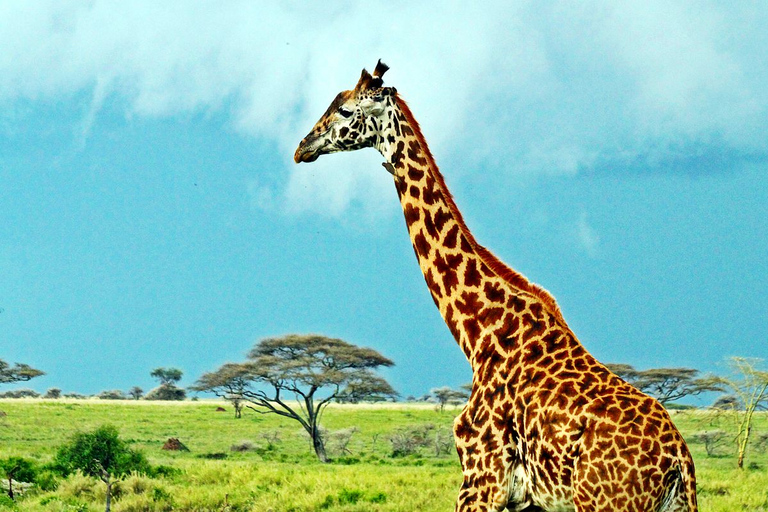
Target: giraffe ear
{"x":365,"y":81}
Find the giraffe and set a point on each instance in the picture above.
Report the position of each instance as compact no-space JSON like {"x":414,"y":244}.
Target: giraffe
{"x":547,"y":427}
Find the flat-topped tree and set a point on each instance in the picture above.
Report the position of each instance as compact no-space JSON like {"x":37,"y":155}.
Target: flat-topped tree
{"x":17,"y":373}
{"x":297,"y":376}
{"x":167,"y":375}
{"x":666,"y":384}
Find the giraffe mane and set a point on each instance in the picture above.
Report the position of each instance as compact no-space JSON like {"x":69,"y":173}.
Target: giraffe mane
{"x":500,"y":268}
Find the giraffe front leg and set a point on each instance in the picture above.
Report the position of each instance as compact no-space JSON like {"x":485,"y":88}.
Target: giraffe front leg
{"x":485,"y":462}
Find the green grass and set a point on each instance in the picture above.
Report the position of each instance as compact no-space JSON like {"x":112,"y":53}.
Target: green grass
{"x":284,"y":475}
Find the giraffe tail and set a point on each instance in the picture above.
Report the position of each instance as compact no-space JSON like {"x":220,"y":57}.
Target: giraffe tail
{"x":680,"y":495}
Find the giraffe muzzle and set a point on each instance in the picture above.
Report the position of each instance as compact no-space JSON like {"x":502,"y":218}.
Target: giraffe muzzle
{"x":308,"y":156}
{"x":308,"y":150}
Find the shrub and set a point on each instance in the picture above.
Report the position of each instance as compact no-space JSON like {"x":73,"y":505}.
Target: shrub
{"x":90,"y":452}
{"x":47,"y":481}
{"x":20,"y":393}
{"x":112,"y":394}
{"x":18,"y":473}
{"x":243,"y":446}
{"x":52,"y":393}
{"x":340,"y":439}
{"x":407,"y":441}
{"x":21,"y":469}
{"x":166,"y":392}
{"x":711,"y":439}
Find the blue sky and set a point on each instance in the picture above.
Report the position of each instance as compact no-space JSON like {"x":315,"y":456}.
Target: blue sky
{"x":152,"y":214}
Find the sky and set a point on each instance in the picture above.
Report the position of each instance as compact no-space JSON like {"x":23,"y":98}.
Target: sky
{"x":151,"y":214}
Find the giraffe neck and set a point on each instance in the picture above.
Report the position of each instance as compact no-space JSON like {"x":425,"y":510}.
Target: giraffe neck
{"x":472,"y":288}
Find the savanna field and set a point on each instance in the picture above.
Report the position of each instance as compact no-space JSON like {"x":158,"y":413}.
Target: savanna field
{"x":385,"y":458}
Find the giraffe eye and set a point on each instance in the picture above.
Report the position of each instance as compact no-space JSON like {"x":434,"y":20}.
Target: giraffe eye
{"x":345,"y":112}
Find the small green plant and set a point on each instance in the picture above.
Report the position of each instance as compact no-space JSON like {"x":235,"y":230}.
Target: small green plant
{"x":100,"y":454}
{"x":6,"y":502}
{"x":17,"y":469}
{"x":97,"y":451}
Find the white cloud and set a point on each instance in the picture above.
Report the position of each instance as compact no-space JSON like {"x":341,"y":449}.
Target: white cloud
{"x":588,"y":239}
{"x":538,"y":88}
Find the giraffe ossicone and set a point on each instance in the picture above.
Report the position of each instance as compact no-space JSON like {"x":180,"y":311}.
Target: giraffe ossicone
{"x":547,"y":426}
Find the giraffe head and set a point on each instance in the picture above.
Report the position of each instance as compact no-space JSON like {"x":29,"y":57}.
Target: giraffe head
{"x":352,"y":121}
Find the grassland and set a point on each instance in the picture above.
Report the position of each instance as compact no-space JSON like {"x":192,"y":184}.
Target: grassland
{"x":278,"y":472}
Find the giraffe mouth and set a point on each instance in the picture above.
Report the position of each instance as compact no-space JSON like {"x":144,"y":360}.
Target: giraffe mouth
{"x":309,"y":149}
{"x":308,"y":156}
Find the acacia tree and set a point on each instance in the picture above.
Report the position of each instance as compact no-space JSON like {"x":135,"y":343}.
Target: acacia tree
{"x":750,"y":387}
{"x":167,"y":375}
{"x":445,"y":395}
{"x":297,"y":376}
{"x":666,"y":384}
{"x":17,"y":373}
{"x":167,"y":390}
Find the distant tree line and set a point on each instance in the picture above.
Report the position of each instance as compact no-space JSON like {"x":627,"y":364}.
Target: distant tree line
{"x":166,"y":390}
{"x":298,"y":376}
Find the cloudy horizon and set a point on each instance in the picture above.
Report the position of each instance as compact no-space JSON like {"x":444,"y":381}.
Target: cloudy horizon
{"x":570,"y":134}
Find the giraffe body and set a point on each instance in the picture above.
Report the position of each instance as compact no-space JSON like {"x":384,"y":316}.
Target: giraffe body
{"x":547,"y":427}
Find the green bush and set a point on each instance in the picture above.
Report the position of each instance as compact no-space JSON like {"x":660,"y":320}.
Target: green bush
{"x":46,"y":481}
{"x":6,"y":502}
{"x":22,"y":470}
{"x":90,"y":452}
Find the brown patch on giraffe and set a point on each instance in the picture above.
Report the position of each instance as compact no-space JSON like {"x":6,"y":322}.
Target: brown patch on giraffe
{"x":441,"y":217}
{"x":429,"y":194}
{"x":490,"y":315}
{"x":412,"y":214}
{"x":399,"y":154}
{"x":495,"y":292}
{"x":451,"y":239}
{"x":466,"y":246}
{"x":415,"y":173}
{"x":517,"y":303}
{"x":532,"y":328}
{"x":472,"y":328}
{"x":532,"y":354}
{"x":507,"y":333}
{"x":429,"y":224}
{"x":468,"y":303}
{"x":415,"y":153}
{"x":415,"y":191}
{"x":422,"y":246}
{"x":553,"y":341}
{"x":472,"y":277}
{"x":446,"y":267}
